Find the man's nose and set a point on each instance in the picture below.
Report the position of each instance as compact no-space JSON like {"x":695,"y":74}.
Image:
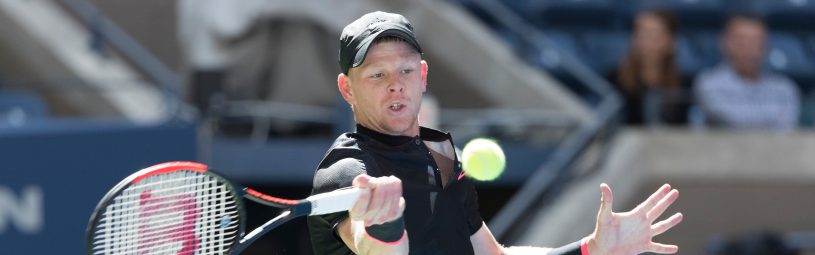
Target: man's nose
{"x":396,"y":86}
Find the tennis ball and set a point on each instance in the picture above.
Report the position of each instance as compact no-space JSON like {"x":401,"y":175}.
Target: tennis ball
{"x":482,"y":159}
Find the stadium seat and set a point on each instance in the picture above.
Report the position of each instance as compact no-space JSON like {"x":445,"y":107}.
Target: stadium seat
{"x":565,"y":45}
{"x":606,"y":48}
{"x":707,"y":42}
{"x":786,"y":54}
{"x":687,"y":56}
{"x":785,"y":15}
{"x":558,"y":48}
{"x":572,"y":14}
{"x":19,"y":107}
{"x":809,"y":42}
{"x":692,"y":14}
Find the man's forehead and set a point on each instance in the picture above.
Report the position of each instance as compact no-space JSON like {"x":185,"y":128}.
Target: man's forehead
{"x":745,"y":24}
{"x":390,"y":48}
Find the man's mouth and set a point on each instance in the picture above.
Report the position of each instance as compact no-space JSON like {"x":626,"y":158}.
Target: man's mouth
{"x":396,"y":106}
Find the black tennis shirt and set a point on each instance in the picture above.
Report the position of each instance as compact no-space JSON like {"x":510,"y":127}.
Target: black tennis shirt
{"x":439,"y":218}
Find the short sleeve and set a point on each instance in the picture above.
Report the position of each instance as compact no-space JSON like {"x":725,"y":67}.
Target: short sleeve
{"x":322,"y":228}
{"x":338,"y":175}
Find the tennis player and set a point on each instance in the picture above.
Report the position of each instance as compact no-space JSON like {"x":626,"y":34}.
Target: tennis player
{"x":414,"y":199}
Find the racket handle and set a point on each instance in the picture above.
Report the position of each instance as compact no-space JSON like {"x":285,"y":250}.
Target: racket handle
{"x":334,"y":201}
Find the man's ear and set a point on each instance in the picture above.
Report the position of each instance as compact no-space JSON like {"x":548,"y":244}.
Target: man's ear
{"x":344,"y":85}
{"x":424,"y":75}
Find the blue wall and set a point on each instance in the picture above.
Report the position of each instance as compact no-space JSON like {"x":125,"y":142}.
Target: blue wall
{"x":55,"y":176}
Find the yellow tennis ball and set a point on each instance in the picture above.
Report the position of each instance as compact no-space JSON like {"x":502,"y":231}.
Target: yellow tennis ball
{"x":482,"y":159}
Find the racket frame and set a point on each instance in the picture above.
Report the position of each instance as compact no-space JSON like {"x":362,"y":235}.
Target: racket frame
{"x":335,"y":201}
{"x":165,"y":168}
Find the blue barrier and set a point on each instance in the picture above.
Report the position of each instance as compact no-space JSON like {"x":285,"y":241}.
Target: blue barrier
{"x":52,"y":176}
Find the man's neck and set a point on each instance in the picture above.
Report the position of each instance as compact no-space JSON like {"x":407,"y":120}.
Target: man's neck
{"x":410,"y":132}
{"x":389,"y":139}
{"x":751,"y":76}
{"x":747,"y":73}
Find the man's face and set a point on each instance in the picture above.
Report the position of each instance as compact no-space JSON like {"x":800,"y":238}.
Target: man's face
{"x":744,"y":45}
{"x":386,"y":90}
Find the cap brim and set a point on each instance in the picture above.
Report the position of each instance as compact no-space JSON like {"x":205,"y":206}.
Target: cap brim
{"x":366,"y":44}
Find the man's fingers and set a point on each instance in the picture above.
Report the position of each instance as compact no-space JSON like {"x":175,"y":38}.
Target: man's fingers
{"x":357,"y":212}
{"x":662,"y":205}
{"x":362,"y":181}
{"x":664,"y":225}
{"x":395,"y":208}
{"x":663,"y":248}
{"x":607,"y":199}
{"x":649,"y":203}
{"x":380,"y":199}
{"x":390,"y":201}
{"x":377,"y":203}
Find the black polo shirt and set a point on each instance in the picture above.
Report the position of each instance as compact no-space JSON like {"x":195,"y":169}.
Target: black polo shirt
{"x":439,"y":218}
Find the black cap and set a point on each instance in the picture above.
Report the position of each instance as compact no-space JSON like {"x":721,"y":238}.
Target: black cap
{"x":357,"y":37}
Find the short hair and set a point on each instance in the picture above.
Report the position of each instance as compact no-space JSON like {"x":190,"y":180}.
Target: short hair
{"x":744,"y":16}
{"x":382,"y":39}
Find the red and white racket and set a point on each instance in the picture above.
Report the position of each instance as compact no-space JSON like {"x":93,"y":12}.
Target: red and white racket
{"x":183,"y":208}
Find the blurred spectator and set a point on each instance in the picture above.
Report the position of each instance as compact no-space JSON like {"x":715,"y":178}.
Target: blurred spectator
{"x":206,"y":28}
{"x":649,"y":78}
{"x":256,"y":50}
{"x":739,"y":93}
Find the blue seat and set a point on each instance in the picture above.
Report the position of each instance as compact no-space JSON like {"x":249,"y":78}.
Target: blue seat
{"x":692,"y":14}
{"x":19,"y":107}
{"x":563,"y":45}
{"x":786,"y":54}
{"x":688,"y":56}
{"x":554,"y":51}
{"x":606,"y":49}
{"x":809,"y":43}
{"x":787,"y":15}
{"x":572,"y":14}
{"x":707,"y":42}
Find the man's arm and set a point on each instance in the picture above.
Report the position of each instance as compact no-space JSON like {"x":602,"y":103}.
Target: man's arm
{"x":484,"y":243}
{"x":615,"y":233}
{"x":788,"y":119}
{"x":374,"y":217}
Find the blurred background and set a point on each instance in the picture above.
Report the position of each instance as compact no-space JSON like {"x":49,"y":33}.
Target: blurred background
{"x":712,"y":96}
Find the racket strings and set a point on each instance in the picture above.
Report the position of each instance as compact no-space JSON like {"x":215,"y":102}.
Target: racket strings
{"x":160,"y":222}
{"x":127,"y":249}
{"x":174,"y":187}
{"x":181,"y":212}
{"x":171,"y":225}
{"x":165,"y":206}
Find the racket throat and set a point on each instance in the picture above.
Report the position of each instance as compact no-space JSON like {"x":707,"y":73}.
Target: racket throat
{"x":251,"y":237}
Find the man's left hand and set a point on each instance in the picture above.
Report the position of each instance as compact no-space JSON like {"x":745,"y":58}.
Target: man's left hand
{"x":632,"y":232}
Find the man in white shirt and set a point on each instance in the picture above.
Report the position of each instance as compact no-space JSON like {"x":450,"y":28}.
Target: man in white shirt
{"x":739,"y":94}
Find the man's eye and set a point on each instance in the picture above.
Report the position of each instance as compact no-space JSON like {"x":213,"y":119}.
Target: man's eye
{"x":407,"y":71}
{"x":377,"y":75}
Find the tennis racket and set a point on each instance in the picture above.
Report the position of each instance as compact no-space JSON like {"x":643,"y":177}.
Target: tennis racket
{"x":183,"y":208}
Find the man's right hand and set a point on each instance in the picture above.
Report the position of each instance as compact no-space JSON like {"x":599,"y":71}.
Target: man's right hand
{"x":380,"y":200}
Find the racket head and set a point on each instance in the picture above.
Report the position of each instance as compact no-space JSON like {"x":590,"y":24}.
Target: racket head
{"x":170,"y":208}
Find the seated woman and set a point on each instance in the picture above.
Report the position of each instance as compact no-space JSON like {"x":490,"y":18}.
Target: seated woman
{"x":649,"y":78}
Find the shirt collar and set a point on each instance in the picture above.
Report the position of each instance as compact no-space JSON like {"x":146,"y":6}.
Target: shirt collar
{"x":391,"y":140}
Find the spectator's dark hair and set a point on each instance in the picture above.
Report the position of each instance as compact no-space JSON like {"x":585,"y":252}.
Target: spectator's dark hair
{"x":628,"y":75}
